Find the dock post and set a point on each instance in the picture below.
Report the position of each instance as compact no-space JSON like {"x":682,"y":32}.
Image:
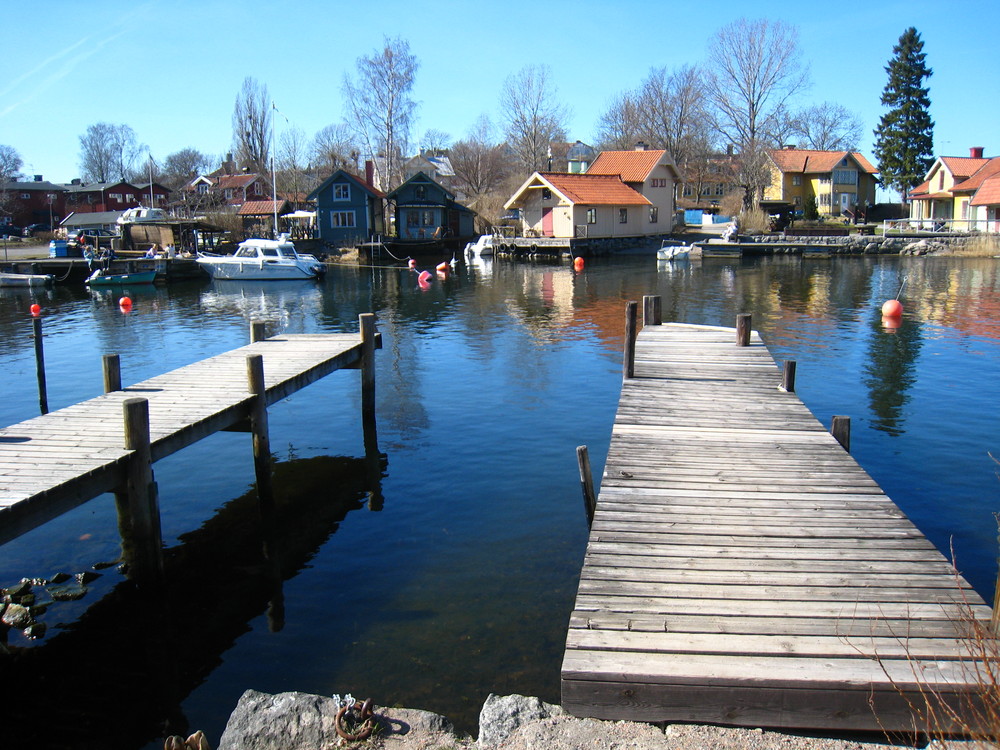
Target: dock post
{"x":258,"y":331}
{"x":841,"y":429}
{"x":143,"y":547}
{"x":631,"y":313}
{"x":261,"y":439}
{"x":366,"y":324}
{"x":112,"y":365}
{"x":373,"y":457}
{"x":43,"y":393}
{"x":788,"y":376}
{"x":743,"y":322}
{"x":652,"y":314}
{"x":586,"y":482}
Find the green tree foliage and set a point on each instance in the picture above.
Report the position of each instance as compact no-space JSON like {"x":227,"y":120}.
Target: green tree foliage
{"x":904,"y":138}
{"x":809,"y":210}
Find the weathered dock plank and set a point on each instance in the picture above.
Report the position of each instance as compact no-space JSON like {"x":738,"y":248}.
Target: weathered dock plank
{"x":743,"y":569}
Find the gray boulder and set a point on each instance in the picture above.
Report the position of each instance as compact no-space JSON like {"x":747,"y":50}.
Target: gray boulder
{"x":502,"y":715}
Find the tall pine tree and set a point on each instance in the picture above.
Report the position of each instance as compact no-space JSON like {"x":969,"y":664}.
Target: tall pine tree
{"x":904,"y":138}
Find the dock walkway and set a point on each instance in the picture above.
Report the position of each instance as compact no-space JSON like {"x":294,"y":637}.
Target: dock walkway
{"x":742,"y":569}
{"x":54,"y":462}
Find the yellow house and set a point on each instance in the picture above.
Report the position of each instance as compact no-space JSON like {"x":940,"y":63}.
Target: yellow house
{"x":946,"y":192}
{"x":840,"y":181}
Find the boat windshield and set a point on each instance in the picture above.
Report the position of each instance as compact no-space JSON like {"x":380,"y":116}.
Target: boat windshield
{"x":246,"y":252}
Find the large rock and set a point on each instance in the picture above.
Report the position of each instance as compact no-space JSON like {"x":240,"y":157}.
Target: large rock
{"x":300,"y":721}
{"x":501,"y":715}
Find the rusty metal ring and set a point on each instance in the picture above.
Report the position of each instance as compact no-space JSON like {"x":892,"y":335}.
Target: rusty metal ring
{"x":366,"y":727}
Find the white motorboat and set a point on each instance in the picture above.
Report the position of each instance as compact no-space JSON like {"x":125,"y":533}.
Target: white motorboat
{"x":483,"y":247}
{"x":263,"y":260}
{"x":673,"y":251}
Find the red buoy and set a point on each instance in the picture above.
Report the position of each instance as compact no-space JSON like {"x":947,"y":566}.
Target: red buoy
{"x":36,"y":309}
{"x":125,"y":303}
{"x":892,"y":308}
{"x":412,"y":265}
{"x":578,"y":263}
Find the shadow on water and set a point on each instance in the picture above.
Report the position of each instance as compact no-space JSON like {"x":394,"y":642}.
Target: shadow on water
{"x":117,"y":676}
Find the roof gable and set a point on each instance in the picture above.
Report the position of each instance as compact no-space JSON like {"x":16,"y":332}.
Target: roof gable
{"x":812,"y":161}
{"x":987,"y":170}
{"x":584,"y":189}
{"x":988,"y":193}
{"x":423,"y":179}
{"x":341,"y":176}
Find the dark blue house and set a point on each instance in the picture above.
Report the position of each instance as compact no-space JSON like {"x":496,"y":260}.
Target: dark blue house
{"x":348,"y":210}
{"x":426,"y":211}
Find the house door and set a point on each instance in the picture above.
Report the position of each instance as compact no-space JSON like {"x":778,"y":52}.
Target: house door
{"x":547,"y":222}
{"x":845,"y":202}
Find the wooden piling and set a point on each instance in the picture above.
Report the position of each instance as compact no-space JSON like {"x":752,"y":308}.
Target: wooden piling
{"x":652,"y":314}
{"x":628,"y":364}
{"x":841,"y":429}
{"x":112,"y":366}
{"x":586,"y":482}
{"x":258,"y":428}
{"x":788,"y":376}
{"x":366,"y":323}
{"x":743,"y":323}
{"x":144,"y":543}
{"x":258,"y":331}
{"x":43,"y":393}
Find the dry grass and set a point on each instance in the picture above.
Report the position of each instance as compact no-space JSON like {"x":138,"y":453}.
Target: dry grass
{"x":754,"y":222}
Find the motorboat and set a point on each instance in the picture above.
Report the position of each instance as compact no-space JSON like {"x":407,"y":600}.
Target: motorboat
{"x":141,"y":215}
{"x":482,"y":247}
{"x":671,"y":250}
{"x":25,"y":279}
{"x":263,"y":260}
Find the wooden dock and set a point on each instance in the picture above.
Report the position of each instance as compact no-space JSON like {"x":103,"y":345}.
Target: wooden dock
{"x":742,"y":569}
{"x":55,"y":462}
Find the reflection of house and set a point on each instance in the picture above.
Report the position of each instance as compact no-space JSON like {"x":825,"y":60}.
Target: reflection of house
{"x":32,"y":202}
{"x":962,"y":189}
{"x":623,"y":194}
{"x":348,"y":210}
{"x":838,"y":180}
{"x":425,"y":210}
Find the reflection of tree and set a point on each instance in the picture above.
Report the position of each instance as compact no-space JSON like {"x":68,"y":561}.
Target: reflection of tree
{"x":890,"y":372}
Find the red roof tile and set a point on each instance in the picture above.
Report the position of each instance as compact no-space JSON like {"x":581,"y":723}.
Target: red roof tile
{"x":595,"y":189}
{"x":990,"y":168}
{"x":989,"y":192}
{"x":633,"y":166}
{"x":234,"y":181}
{"x":962,"y":167}
{"x":810,"y":161}
{"x":261,"y":208}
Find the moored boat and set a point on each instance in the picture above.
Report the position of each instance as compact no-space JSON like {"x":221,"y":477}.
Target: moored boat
{"x":263,"y":260}
{"x":482,"y":247}
{"x":101,"y":277}
{"x":671,"y":250}
{"x":25,"y":279}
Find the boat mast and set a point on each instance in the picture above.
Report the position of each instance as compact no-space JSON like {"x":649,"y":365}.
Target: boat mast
{"x":274,"y":177}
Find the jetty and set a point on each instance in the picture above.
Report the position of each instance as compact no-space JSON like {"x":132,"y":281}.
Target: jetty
{"x":61,"y":459}
{"x":742,"y":569}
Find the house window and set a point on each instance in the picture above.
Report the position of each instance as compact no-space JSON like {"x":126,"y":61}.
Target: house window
{"x":202,"y":188}
{"x":546,"y":194}
{"x":623,"y":216}
{"x":116,"y":197}
{"x":342,"y":219}
{"x":341,"y":192}
{"x":824,"y":199}
{"x":707,"y":190}
{"x":688,"y":191}
{"x":845,"y":177}
{"x":654,"y":214}
{"x":591,"y":215}
{"x":796,"y":179}
{"x":658,"y":182}
{"x":25,"y":196}
{"x":941,"y":181}
{"x":720,"y":189}
{"x":824,"y":180}
{"x":421,"y":192}
{"x":229,"y":194}
{"x":427,"y":218}
{"x":797,"y":200}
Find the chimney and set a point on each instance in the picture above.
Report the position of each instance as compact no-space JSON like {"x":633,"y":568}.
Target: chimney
{"x":976,"y":152}
{"x":789,"y":147}
{"x":640,"y":146}
{"x":370,"y":173}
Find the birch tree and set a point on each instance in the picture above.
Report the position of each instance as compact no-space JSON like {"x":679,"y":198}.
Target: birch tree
{"x":381,"y":108}
{"x":109,"y":152}
{"x":533,"y":116}
{"x":252,"y":127}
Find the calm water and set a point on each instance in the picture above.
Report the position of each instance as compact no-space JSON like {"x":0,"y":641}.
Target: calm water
{"x":451,"y":572}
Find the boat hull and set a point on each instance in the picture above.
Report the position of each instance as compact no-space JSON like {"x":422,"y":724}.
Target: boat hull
{"x":252,"y":270}
{"x":120,"y":279}
{"x":24,"y":279}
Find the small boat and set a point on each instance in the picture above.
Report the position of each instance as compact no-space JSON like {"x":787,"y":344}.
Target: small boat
{"x":25,"y":279}
{"x":671,"y":250}
{"x":102,"y":277}
{"x":263,"y":260}
{"x":482,"y":247}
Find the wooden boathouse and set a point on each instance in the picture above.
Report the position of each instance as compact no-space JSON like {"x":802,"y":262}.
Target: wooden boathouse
{"x":742,"y":569}
{"x":61,"y":459}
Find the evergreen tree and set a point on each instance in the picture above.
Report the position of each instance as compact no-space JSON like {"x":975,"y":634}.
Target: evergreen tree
{"x":904,"y":138}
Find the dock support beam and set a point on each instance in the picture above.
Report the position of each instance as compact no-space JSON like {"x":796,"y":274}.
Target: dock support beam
{"x":112,"y":365}
{"x":586,"y":482}
{"x":261,"y":439}
{"x":142,"y":541}
{"x":841,"y":429}
{"x":373,"y":457}
{"x":258,"y":331}
{"x":788,"y":376}
{"x":743,"y":323}
{"x":628,"y":363}
{"x":652,"y":314}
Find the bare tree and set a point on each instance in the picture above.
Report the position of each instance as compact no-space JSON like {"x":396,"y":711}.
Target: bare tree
{"x":673,"y":107}
{"x":755,"y":68}
{"x":533,"y":116}
{"x":827,"y":127}
{"x":10,"y":164}
{"x":334,"y":147}
{"x":479,"y":162}
{"x":621,"y":125}
{"x":180,"y":167}
{"x":109,"y":152}
{"x":381,"y":107}
{"x":293,"y":155}
{"x":252,"y":126}
{"x":435,"y":141}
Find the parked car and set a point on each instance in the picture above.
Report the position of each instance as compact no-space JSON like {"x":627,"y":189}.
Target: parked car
{"x":32,"y":229}
{"x":9,"y":230}
{"x":92,"y":237}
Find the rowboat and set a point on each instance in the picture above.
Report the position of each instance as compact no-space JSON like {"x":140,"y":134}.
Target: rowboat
{"x":25,"y":279}
{"x":101,"y":277}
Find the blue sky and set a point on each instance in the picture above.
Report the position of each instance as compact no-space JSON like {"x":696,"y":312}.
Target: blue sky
{"x":171,"y":69}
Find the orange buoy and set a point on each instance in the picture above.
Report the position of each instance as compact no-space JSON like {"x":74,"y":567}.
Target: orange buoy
{"x":36,"y":309}
{"x":424,"y":276}
{"x":442,"y":267}
{"x":125,"y":303}
{"x":578,"y":263}
{"x":892,"y":308}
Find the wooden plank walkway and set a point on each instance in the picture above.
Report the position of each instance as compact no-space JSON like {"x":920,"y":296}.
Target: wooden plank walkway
{"x":54,"y":462}
{"x":742,"y":569}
